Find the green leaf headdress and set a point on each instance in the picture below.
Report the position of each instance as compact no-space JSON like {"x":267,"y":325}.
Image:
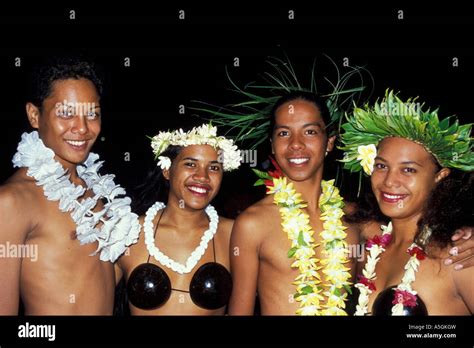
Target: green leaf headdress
{"x":249,"y":120}
{"x":449,"y":142}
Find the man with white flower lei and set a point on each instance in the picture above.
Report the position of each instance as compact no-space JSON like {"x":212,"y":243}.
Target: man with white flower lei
{"x":180,"y":265}
{"x":56,"y":203}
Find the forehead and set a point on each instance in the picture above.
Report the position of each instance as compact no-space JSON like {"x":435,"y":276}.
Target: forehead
{"x":73,"y":89}
{"x":199,"y":152}
{"x":297,"y":113}
{"x":396,"y":149}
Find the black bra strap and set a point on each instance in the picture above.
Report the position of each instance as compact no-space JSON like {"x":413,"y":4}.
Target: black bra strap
{"x":214,"y":249}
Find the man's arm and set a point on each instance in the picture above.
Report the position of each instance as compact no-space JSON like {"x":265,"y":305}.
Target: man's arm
{"x":14,"y":227}
{"x":244,"y":263}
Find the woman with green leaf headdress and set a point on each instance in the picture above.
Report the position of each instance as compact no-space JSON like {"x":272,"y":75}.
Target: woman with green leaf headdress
{"x":420,"y":169}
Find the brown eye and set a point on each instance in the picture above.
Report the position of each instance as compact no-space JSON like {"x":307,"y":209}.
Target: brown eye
{"x":282,"y":133}
{"x":409,"y":170}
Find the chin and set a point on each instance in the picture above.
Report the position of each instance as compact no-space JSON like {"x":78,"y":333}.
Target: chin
{"x":196,"y":203}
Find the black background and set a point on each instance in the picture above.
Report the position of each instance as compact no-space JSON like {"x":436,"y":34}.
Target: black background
{"x":175,"y":61}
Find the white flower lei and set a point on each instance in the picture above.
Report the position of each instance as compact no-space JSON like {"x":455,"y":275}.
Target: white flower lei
{"x":120,"y":227}
{"x":205,"y":134}
{"x":411,"y":267}
{"x":195,"y":256}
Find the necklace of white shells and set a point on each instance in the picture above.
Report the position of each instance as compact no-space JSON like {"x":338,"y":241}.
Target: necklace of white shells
{"x":195,"y":256}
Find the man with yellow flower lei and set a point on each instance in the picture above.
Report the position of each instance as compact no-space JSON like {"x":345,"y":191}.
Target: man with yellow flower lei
{"x":291,"y":246}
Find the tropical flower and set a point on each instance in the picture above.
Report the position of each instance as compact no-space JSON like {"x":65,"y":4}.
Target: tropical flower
{"x":206,"y":134}
{"x":366,"y":156}
{"x":164,"y":162}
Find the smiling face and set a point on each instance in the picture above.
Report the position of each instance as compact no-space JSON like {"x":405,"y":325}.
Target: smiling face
{"x":299,"y":140}
{"x":403,"y":178}
{"x":195,"y":176}
{"x":69,"y":132}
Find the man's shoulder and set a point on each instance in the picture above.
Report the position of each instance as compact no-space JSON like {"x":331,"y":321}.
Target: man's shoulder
{"x":259,"y":217}
{"x":18,"y":183}
{"x":18,"y":192}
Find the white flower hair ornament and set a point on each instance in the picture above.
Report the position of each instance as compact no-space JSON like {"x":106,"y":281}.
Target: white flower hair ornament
{"x":205,"y":134}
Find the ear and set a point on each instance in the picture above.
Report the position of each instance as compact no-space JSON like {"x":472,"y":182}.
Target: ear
{"x":443,"y":173}
{"x":33,"y":114}
{"x":330,"y":144}
{"x":166,"y":174}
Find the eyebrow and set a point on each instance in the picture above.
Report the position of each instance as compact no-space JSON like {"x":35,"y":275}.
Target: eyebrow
{"x":196,"y":160}
{"x":404,"y":162}
{"x":317,"y":124}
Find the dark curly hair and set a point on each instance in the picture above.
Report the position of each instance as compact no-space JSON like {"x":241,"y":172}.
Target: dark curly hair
{"x":448,"y":208}
{"x":57,"y":69}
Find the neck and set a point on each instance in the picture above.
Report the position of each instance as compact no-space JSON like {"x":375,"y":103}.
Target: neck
{"x":310,"y":190}
{"x":185,"y":218}
{"x":404,"y":230}
{"x":71,"y":170}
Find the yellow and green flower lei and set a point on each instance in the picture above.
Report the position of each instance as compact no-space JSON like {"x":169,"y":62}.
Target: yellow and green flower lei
{"x":315,"y":296}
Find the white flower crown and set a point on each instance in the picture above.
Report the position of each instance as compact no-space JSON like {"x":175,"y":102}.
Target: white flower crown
{"x":205,"y":134}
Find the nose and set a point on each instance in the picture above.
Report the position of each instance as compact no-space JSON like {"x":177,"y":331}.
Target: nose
{"x":296,"y":143}
{"x":391,"y":179}
{"x":80,"y":125}
{"x":201,"y":174}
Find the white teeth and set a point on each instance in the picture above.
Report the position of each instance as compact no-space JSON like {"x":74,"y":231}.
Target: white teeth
{"x":392,"y":196}
{"x":197,"y":189}
{"x":298,"y":160}
{"x":76,"y":143}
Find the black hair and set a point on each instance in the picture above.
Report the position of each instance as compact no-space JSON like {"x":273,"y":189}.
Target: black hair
{"x":448,"y":208}
{"x":319,"y":101}
{"x":155,"y":187}
{"x":57,"y":69}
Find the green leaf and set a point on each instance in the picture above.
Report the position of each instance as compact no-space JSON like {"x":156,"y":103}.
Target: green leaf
{"x":307,"y":290}
{"x":292,"y":252}
{"x":259,"y":182}
{"x":348,"y":289}
{"x":301,"y":239}
{"x":262,"y":174}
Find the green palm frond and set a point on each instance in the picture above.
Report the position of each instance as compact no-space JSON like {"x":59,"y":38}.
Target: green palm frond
{"x":248,"y":120}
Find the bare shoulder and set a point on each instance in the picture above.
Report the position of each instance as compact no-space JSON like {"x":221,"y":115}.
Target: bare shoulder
{"x":257,"y":219}
{"x":17,"y":199}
